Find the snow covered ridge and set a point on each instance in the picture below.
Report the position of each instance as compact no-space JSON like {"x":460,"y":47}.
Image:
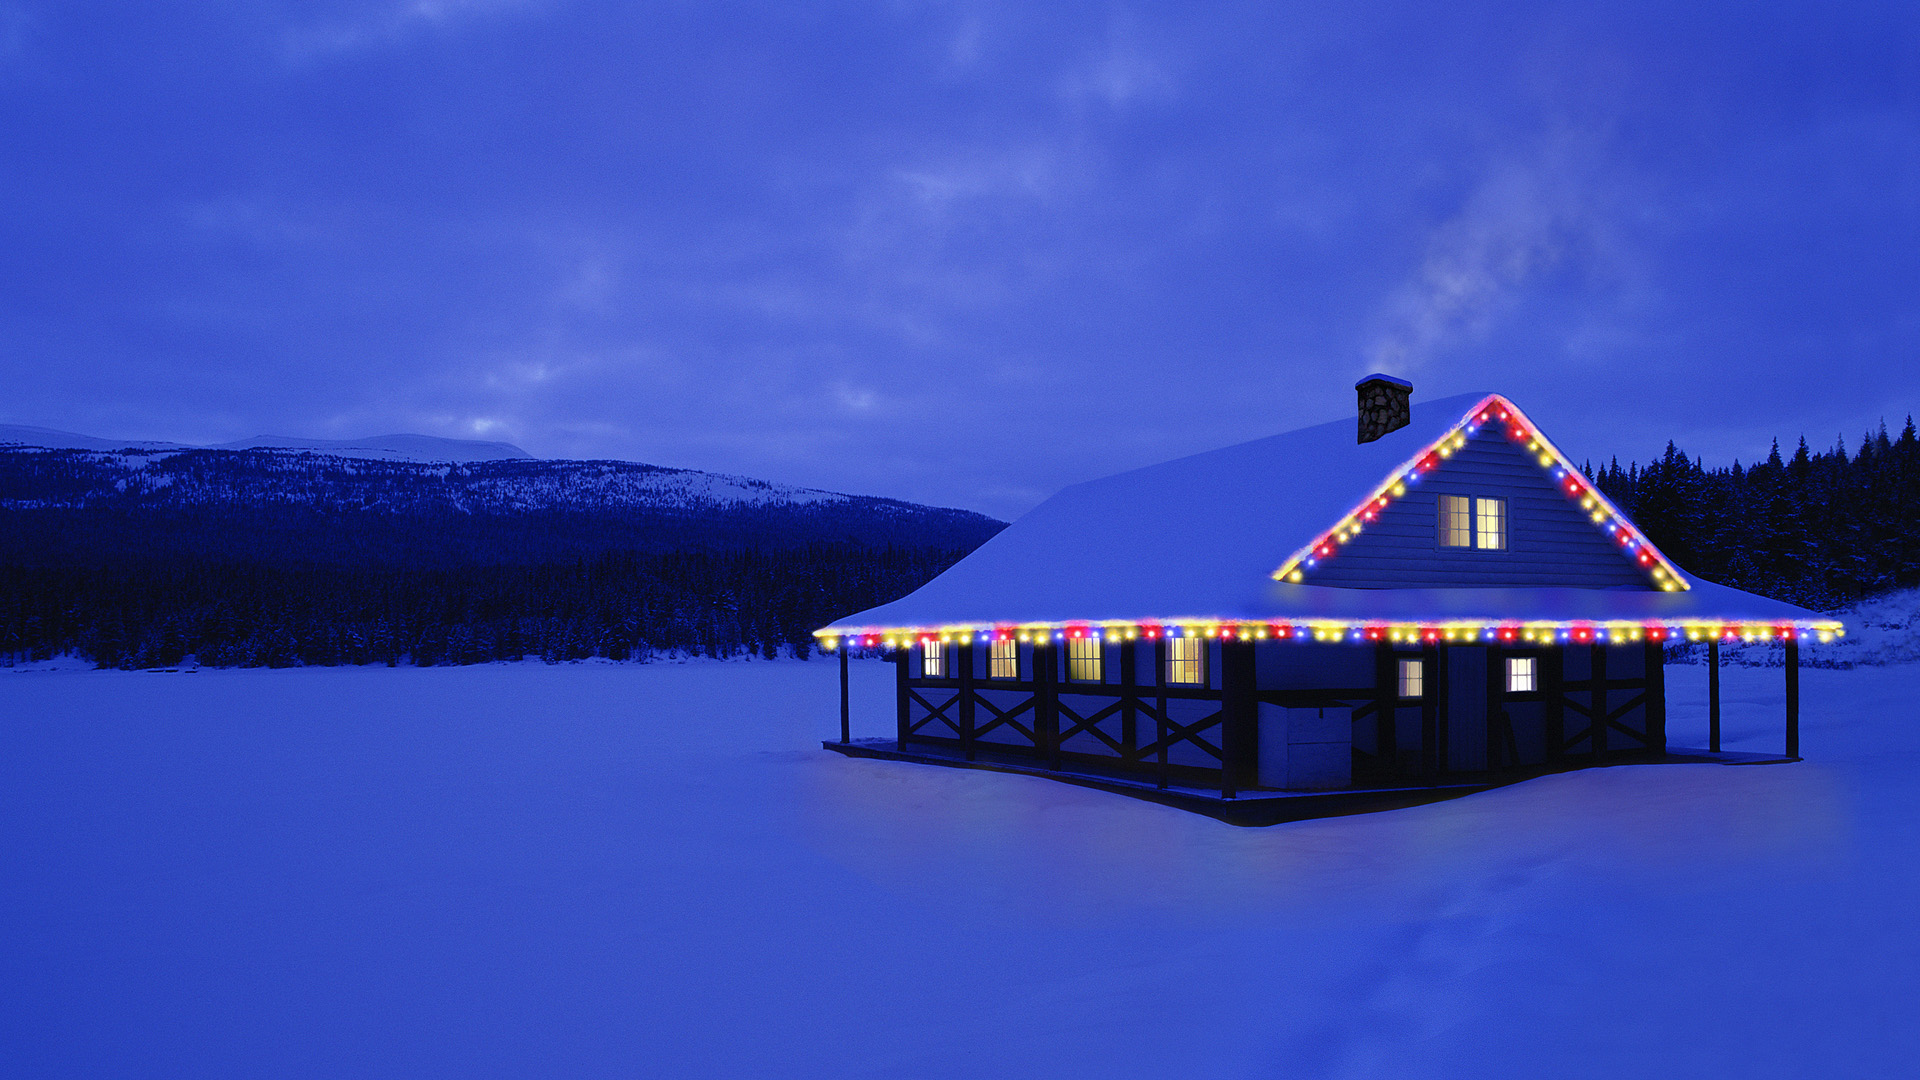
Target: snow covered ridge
{"x":34,"y":478}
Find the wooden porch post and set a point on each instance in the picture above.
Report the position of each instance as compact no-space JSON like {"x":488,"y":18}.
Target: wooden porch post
{"x":1386,"y":686}
{"x":1713,"y":695}
{"x":1553,"y":680}
{"x":1160,"y":706}
{"x":1442,"y":686}
{"x":846,"y":715}
{"x":1129,"y":718}
{"x":1656,"y":698}
{"x":1430,"y":749}
{"x":901,"y":657}
{"x":1046,"y":718}
{"x":1599,"y":700}
{"x":1496,"y":705}
{"x":1793,"y":698}
{"x":965,"y":659}
{"x":1239,"y":718}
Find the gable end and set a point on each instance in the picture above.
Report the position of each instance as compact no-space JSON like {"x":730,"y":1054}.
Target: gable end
{"x":1559,"y":531}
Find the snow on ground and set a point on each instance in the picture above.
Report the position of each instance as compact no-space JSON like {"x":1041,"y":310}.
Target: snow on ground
{"x":1883,"y":630}
{"x":653,"y":870}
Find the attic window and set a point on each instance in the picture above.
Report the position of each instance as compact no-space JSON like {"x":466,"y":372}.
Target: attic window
{"x":1004,"y":661}
{"x":1468,"y":522}
{"x":1187,"y":661}
{"x":933,"y":660}
{"x":1083,"y":660}
{"x":1490,"y":524}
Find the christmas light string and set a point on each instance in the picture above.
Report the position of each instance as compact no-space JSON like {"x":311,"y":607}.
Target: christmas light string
{"x":1570,"y":482}
{"x":1518,"y":633}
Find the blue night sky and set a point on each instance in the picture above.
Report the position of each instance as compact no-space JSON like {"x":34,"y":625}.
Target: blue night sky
{"x":961,"y":253}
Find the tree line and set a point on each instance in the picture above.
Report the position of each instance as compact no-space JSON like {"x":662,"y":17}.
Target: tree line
{"x":1819,"y":529}
{"x":621,"y":605}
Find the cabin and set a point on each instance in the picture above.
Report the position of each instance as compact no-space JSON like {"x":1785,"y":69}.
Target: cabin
{"x":1427,"y":603}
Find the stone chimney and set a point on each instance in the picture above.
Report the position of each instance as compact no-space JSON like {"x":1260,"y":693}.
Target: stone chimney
{"x":1385,"y":405}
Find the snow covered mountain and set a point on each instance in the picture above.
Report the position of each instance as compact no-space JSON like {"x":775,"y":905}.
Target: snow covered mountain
{"x":51,"y":500}
{"x":74,"y":479}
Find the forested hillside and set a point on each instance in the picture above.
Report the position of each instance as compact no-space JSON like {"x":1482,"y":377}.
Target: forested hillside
{"x":1817,"y":529}
{"x":264,"y":557}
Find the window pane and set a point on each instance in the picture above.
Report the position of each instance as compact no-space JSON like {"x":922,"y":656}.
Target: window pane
{"x":1456,"y":521}
{"x":1413,"y":678}
{"x":1187,"y":660}
{"x":933,"y":660}
{"x":1491,"y":515}
{"x":1004,"y":661}
{"x":1522,"y":675}
{"x":1083,"y":660}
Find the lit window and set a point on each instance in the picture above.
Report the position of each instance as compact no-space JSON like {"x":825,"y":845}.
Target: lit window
{"x":1187,"y":660}
{"x":933,"y":660}
{"x":1456,"y":521}
{"x":1004,"y":661}
{"x":1413,"y":678}
{"x":1523,"y":674}
{"x":1467,"y":522}
{"x":1490,"y":524}
{"x":1083,"y":660}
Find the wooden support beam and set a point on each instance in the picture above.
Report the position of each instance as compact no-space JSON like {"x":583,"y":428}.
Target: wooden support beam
{"x":1431,"y":760}
{"x":1713,"y":695}
{"x":964,"y":657}
{"x":1386,"y":685}
{"x":1553,"y":680}
{"x":1046,"y":706}
{"x":1443,"y":683}
{"x":902,"y":659}
{"x":1160,"y":703}
{"x":1656,"y":694}
{"x":846,"y":712}
{"x":1496,"y":707}
{"x":1598,"y":655}
{"x":1129,"y":701}
{"x":1239,"y":718}
{"x":1793,"y":698}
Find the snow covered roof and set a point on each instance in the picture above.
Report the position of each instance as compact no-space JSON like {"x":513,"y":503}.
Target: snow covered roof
{"x":1197,"y":540}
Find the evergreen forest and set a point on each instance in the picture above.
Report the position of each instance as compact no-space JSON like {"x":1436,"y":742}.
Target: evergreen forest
{"x":1821,"y":530}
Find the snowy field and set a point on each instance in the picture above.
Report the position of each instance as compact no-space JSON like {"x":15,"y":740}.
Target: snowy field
{"x":604,"y":870}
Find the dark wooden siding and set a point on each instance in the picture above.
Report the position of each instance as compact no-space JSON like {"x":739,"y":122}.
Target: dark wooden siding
{"x":1550,"y":540}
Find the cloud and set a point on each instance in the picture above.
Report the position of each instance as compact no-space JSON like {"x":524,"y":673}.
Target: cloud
{"x":1531,"y":215}
{"x":388,"y":23}
{"x":1119,"y":72}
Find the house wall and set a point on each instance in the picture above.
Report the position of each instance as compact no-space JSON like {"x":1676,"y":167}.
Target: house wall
{"x":1622,"y":663}
{"x":1307,"y":735}
{"x":1550,"y":539}
{"x":1296,"y":665}
{"x":1466,"y":704}
{"x":1305,"y":749}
